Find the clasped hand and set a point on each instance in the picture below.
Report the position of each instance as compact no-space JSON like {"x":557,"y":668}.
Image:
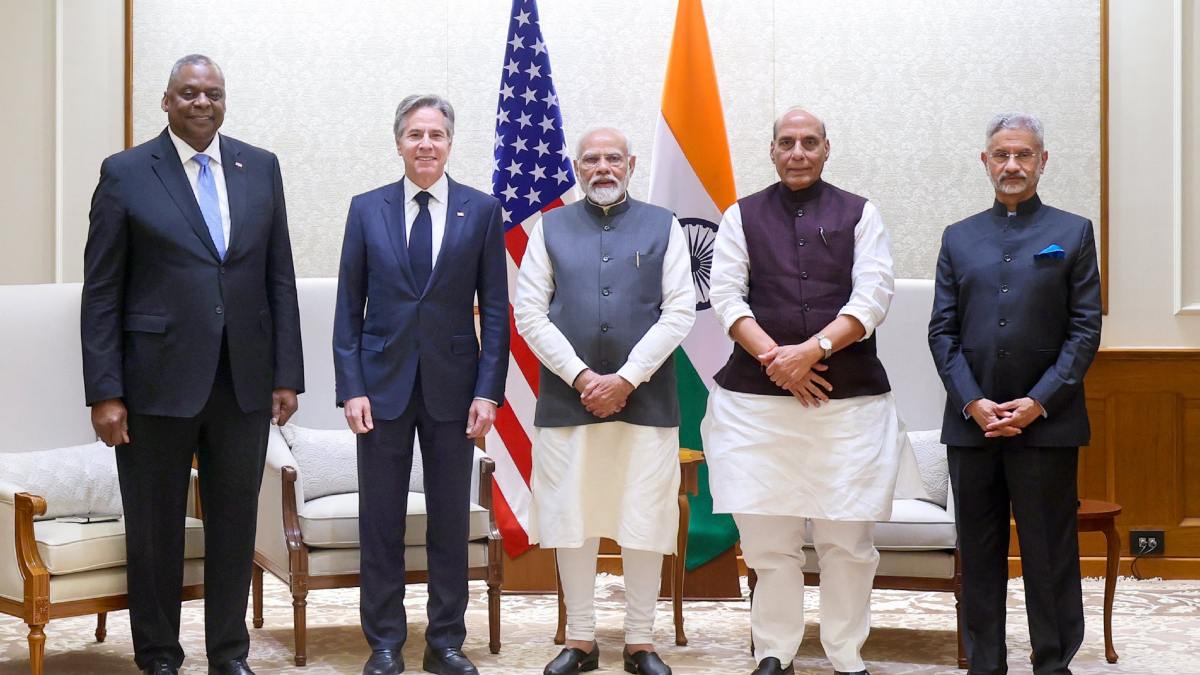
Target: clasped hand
{"x":1004,"y":419}
{"x":796,"y":368}
{"x":603,"y":395}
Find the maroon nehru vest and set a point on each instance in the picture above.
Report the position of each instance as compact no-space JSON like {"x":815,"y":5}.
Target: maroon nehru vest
{"x":801,"y":247}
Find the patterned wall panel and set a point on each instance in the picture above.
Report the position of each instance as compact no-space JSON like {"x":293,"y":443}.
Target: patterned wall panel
{"x":905,"y":89}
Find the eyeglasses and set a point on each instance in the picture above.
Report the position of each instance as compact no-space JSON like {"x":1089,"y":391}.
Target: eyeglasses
{"x":613,"y":159}
{"x":1023,"y":157}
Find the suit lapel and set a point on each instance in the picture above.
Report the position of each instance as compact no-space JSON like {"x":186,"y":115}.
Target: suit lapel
{"x":456,"y":220}
{"x":235,"y":189}
{"x":393,"y":217}
{"x":170,"y":172}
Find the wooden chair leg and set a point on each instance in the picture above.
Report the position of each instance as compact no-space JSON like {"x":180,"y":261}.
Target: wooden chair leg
{"x":300,"y":620}
{"x":560,"y":635}
{"x":256,"y":585}
{"x":101,"y":626}
{"x":751,"y":581}
{"x":678,"y":569}
{"x":493,"y":616}
{"x":37,"y":648}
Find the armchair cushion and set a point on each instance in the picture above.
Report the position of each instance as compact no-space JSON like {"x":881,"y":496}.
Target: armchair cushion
{"x":67,"y":548}
{"x":931,"y":459}
{"x":75,"y":480}
{"x":328,"y":461}
{"x":332,"y":522}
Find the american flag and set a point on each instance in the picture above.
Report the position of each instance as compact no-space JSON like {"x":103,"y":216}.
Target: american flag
{"x":532,"y":174}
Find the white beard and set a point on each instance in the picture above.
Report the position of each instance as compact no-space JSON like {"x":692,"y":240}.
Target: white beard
{"x":604,"y":196}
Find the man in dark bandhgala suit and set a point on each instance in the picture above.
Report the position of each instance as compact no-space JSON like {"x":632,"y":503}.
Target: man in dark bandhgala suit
{"x":416,"y":254}
{"x":1015,"y":325}
{"x":191,"y":346}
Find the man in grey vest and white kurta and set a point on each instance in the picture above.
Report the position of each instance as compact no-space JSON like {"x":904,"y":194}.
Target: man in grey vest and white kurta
{"x":801,"y":432}
{"x":604,"y":297}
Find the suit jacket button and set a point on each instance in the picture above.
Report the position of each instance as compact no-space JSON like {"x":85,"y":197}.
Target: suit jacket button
{"x":1007,"y":258}
{"x":605,"y":292}
{"x":1003,"y":322}
{"x":1004,"y":288}
{"x":220,"y":309}
{"x":605,"y":259}
{"x":603,"y":328}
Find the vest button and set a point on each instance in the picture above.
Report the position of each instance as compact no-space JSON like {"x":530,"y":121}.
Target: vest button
{"x":1007,"y":258}
{"x":605,"y":292}
{"x":603,"y":328}
{"x":805,"y":307}
{"x":220,"y":309}
{"x":801,"y":242}
{"x":1003,"y":322}
{"x":1003,"y":288}
{"x":1003,"y":353}
{"x":604,"y":362}
{"x":607,"y":228}
{"x":799,"y":213}
{"x":804,"y":275}
{"x":605,"y":259}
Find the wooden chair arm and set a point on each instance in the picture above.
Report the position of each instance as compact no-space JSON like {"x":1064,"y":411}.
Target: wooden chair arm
{"x":487,"y":467}
{"x":29,"y":561}
{"x":291,"y":518}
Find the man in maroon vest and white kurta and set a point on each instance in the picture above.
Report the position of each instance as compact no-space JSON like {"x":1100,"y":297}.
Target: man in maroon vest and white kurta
{"x":801,"y":426}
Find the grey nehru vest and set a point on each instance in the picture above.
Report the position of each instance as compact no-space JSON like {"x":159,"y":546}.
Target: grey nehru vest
{"x":607,"y":294}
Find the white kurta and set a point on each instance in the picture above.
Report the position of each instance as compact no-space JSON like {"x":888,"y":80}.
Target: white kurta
{"x":609,"y":479}
{"x":769,"y":455}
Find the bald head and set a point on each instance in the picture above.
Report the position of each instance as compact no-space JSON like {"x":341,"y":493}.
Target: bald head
{"x":799,"y":114}
{"x":602,"y":136}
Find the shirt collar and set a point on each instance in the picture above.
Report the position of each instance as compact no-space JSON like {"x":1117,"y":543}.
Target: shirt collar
{"x":1025,"y":208}
{"x":793,"y":199}
{"x":439,"y":190}
{"x":609,"y":210}
{"x":187,"y":152}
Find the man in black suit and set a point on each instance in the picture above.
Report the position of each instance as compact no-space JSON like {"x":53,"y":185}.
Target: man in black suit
{"x":191,"y":346}
{"x":1015,"y":325}
{"x":416,"y":255}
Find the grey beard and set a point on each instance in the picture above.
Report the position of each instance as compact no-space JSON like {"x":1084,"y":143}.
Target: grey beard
{"x":604,"y":196}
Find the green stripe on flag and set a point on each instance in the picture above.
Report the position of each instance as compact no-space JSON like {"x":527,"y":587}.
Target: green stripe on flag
{"x":709,"y":534}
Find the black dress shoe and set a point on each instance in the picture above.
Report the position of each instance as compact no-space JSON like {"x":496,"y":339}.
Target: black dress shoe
{"x":160,"y":667}
{"x":772,"y":666}
{"x":573,"y":660}
{"x":234,"y":667}
{"x":644,"y":663}
{"x":384,"y":662}
{"x":447,"y":661}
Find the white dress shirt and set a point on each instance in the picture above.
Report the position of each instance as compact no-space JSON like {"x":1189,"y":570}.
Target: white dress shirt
{"x":191,"y":167}
{"x":535,"y":288}
{"x":872,"y":275}
{"x":440,"y":192}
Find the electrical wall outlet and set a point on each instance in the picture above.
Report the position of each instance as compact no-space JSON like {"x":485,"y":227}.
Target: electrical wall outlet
{"x":1147,"y":542}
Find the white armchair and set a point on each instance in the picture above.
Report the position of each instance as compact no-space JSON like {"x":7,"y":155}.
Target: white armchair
{"x":49,"y":568}
{"x":308,"y":504}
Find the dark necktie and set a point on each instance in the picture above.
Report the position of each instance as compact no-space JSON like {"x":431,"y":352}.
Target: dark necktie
{"x":420,"y":242}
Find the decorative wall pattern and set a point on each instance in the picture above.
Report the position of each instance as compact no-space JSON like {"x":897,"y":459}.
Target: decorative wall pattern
{"x":904,"y":88}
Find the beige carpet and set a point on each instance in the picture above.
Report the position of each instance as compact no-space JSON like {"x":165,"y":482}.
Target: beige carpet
{"x":1156,"y":629}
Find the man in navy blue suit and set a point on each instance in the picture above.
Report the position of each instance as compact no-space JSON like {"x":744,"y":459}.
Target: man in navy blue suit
{"x":416,"y":254}
{"x":191,"y":345}
{"x":1015,"y":325}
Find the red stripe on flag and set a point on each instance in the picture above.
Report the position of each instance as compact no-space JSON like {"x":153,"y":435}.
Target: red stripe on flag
{"x":516,"y":541}
{"x":522,"y":354}
{"x":553,"y":205}
{"x":515,"y":240}
{"x":516,"y":441}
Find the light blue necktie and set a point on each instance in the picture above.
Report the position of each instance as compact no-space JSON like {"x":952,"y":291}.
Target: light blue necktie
{"x":210,"y":204}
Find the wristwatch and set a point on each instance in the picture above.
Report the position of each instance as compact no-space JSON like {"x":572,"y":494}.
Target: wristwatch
{"x":826,"y":346}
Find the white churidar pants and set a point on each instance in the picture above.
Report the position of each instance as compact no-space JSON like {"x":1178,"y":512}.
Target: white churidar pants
{"x":773,"y":546}
{"x":577,"y":570}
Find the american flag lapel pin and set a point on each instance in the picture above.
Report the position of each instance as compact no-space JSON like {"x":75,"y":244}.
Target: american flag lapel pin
{"x":238,"y":164}
{"x":460,"y":214}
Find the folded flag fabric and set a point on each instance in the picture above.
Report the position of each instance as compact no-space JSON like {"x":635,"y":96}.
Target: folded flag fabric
{"x":1051,"y":251}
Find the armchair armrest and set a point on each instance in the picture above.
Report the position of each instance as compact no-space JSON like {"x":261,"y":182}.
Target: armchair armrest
{"x":270,"y":541}
{"x":29,"y":562}
{"x":297,"y":552}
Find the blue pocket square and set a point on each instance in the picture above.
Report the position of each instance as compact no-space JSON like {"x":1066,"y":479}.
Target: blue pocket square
{"x":1053,"y":251}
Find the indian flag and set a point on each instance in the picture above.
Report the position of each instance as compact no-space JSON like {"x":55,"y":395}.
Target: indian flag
{"x":691,"y":174}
